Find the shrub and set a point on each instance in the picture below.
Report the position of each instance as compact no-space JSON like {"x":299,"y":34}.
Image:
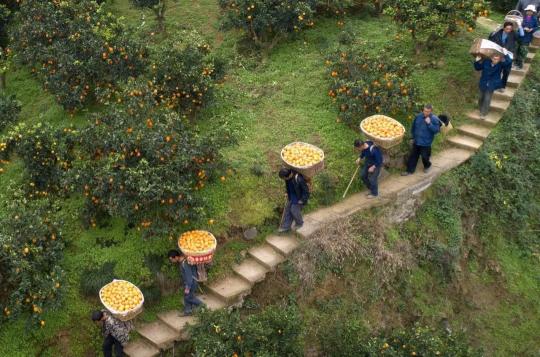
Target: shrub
{"x":10,"y":108}
{"x":75,"y":48}
{"x":93,"y":279}
{"x":430,"y":20}
{"x":276,"y":331}
{"x":183,"y":72}
{"x":363,"y":84}
{"x":267,"y":21}
{"x":31,"y":249}
{"x":142,"y":162}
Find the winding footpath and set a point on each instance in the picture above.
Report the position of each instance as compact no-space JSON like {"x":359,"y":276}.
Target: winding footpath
{"x":163,"y":335}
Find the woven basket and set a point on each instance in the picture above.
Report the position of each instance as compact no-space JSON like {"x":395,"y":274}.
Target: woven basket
{"x":124,"y":315}
{"x":485,"y":48}
{"x":200,"y":259}
{"x":536,"y":38}
{"x":203,"y":253}
{"x":385,"y":143}
{"x":515,"y":17}
{"x":306,"y":171}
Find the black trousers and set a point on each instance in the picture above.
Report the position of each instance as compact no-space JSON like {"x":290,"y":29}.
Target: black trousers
{"x":416,"y":152}
{"x":108,"y":347}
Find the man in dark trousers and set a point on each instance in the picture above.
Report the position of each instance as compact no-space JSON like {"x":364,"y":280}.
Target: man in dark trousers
{"x":490,"y":80}
{"x":189,"y":278}
{"x":424,"y":128}
{"x":115,"y":332}
{"x":372,"y":165}
{"x":507,"y":38}
{"x":297,"y":197}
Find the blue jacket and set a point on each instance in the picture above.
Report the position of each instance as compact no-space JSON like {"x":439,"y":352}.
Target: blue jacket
{"x":189,"y":274}
{"x":372,"y":154}
{"x":297,"y":189}
{"x":423,"y":133}
{"x":531,"y":23}
{"x":491,"y":75}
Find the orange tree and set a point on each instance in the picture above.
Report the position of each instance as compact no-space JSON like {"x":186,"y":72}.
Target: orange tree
{"x":30,"y":252}
{"x":143,"y":162}
{"x":265,"y":22}
{"x":75,"y":48}
{"x":10,"y":108}
{"x":363,"y":84}
{"x":430,"y":20}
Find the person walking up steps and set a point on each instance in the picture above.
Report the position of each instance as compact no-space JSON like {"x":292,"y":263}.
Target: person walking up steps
{"x":297,"y":197}
{"x":424,"y":128}
{"x":115,"y":332}
{"x":490,"y":80}
{"x":372,"y":165}
{"x":530,"y":25}
{"x":507,"y":38}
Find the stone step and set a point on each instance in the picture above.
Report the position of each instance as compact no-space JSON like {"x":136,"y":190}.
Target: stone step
{"x":530,"y":57}
{"x":465,"y":142}
{"x":176,"y":320}
{"x":158,"y":334}
{"x":251,"y":270}
{"x":267,"y":256}
{"x":231,"y":288}
{"x":476,"y":131}
{"x":140,"y":348}
{"x":533,"y":49}
{"x":523,"y":71}
{"x":491,"y":119}
{"x":514,"y":80}
{"x":508,"y":94}
{"x":499,"y":105}
{"x":212,"y":301}
{"x":284,"y":245}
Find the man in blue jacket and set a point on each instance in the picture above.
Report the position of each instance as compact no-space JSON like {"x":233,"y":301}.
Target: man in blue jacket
{"x":529,"y":25}
{"x":372,"y":165}
{"x":508,"y":39}
{"x":490,"y":80}
{"x":424,"y":128}
{"x":189,"y":278}
{"x":297,"y":197}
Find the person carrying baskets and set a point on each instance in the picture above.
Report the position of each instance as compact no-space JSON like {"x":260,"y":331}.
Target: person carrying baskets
{"x":372,"y":166}
{"x":115,"y":332}
{"x":297,"y":197}
{"x":190,"y":280}
{"x":424,"y":128}
{"x":507,"y":38}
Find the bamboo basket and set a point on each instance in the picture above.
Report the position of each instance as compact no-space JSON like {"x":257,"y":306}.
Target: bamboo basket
{"x":197,"y":257}
{"x":124,"y":315}
{"x":515,"y":17}
{"x":306,"y":171}
{"x":385,"y":143}
{"x":536,"y":38}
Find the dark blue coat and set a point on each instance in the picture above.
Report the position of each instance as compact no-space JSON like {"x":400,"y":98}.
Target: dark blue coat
{"x":372,"y":154}
{"x":531,"y":23}
{"x":297,"y":189}
{"x":422,"y":133}
{"x":491,"y":75}
{"x":189,"y":274}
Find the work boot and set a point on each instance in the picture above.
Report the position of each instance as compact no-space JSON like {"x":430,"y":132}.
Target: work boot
{"x":283,"y":230}
{"x":427,"y":169}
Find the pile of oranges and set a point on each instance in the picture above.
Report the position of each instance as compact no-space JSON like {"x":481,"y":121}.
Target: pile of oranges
{"x":302,"y":155}
{"x":382,"y":126}
{"x":196,"y":242}
{"x":121,"y":295}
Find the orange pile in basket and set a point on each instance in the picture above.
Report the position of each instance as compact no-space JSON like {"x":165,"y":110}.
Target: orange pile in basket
{"x":383,"y":127}
{"x":298,"y":154}
{"x":121,"y":296}
{"x":196,"y":241}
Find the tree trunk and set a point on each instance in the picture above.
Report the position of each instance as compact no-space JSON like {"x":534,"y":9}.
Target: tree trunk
{"x":159,"y":10}
{"x":3,"y":81}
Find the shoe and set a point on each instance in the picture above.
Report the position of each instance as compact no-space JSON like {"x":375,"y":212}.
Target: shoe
{"x":406,"y":173}
{"x":368,"y":193}
{"x":370,"y":196}
{"x":500,"y":90}
{"x":482,"y":117}
{"x":188,"y":313}
{"x":427,"y":169}
{"x":298,"y":227}
{"x":283,"y":230}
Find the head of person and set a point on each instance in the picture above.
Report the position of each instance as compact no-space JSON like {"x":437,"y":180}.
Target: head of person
{"x":98,"y":316}
{"x":530,"y":10}
{"x":175,"y":256}
{"x":285,"y":174}
{"x":427,"y":110}
{"x":508,"y":27}
{"x":360,"y":145}
{"x":496,"y":59}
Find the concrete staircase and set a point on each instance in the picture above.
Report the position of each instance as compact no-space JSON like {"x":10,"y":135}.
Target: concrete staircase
{"x":170,"y":328}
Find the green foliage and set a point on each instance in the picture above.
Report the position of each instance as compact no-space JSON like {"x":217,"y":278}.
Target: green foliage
{"x":145,"y":3}
{"x":75,"y":48}
{"x":363,"y":84}
{"x":31,"y":248}
{"x":430,"y":20}
{"x":142,"y":162}
{"x":503,"y":5}
{"x":276,"y":331}
{"x":10,"y":108}
{"x":266,"y":21}
{"x":93,"y":279}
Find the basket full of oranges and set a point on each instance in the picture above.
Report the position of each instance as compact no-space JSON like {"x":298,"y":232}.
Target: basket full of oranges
{"x":384,"y":131}
{"x":123,"y":299}
{"x":304,"y":158}
{"x":198,"y":245}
